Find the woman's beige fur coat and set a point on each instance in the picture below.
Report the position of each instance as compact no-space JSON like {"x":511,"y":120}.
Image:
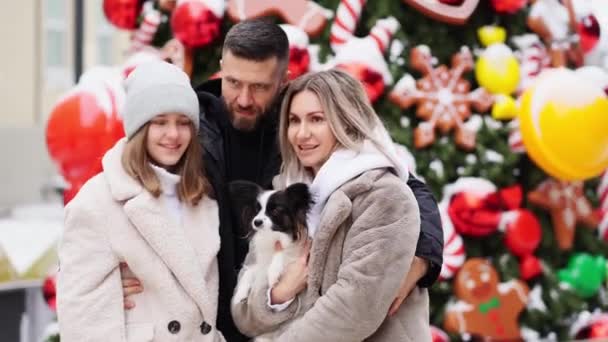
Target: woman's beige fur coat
{"x":361,"y":252}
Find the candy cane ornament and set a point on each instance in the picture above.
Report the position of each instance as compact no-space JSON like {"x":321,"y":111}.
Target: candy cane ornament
{"x":147,"y":29}
{"x":345,"y":23}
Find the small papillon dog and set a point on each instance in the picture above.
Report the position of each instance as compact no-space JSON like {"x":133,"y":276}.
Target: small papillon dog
{"x":276,"y":222}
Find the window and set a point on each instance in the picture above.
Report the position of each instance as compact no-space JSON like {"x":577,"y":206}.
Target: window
{"x":56,"y":43}
{"x":103,"y":34}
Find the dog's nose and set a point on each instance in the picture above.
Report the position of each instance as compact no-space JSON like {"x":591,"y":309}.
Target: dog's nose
{"x":257,"y":223}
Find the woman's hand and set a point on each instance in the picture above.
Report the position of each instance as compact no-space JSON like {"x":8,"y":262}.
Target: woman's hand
{"x":130,"y":286}
{"x":293,"y":280}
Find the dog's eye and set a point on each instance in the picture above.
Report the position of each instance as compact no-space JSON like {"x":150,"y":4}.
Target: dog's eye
{"x":258,"y":207}
{"x":276,"y":211}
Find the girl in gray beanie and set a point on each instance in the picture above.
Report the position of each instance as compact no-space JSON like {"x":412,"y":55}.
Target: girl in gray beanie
{"x":151,"y":208}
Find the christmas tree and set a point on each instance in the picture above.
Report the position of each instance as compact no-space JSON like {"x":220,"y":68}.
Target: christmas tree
{"x":454,"y":82}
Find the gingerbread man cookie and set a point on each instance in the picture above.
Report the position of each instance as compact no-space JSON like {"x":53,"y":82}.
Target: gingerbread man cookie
{"x":305,"y":14}
{"x":486,"y":307}
{"x":568,"y":206}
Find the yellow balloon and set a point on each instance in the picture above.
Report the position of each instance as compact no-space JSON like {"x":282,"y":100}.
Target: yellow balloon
{"x":564,"y":125}
{"x":491,"y":34}
{"x":497,"y":70}
{"x":504,"y":108}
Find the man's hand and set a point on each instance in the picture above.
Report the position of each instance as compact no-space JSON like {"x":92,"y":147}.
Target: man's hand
{"x":417,"y":271}
{"x":293,"y":280}
{"x":130,"y":286}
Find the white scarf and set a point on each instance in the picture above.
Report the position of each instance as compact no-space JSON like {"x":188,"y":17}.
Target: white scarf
{"x":168,"y":184}
{"x":344,"y":165}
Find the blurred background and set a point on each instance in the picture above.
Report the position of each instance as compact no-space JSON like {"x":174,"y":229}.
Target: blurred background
{"x":52,"y":42}
{"x":501,"y":106}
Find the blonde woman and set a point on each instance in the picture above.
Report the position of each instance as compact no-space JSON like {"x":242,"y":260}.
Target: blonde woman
{"x":364,"y":224}
{"x":153,"y":208}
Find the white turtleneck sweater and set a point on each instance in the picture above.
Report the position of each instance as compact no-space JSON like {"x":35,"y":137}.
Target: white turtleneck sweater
{"x":168,"y":184}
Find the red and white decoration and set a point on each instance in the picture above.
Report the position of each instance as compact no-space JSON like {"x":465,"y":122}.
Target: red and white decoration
{"x":196,"y":23}
{"x":370,"y":67}
{"x":508,"y":6}
{"x":299,"y":54}
{"x":475,"y":207}
{"x":591,"y":21}
{"x":151,"y":18}
{"x":345,"y":23}
{"x":590,"y":326}
{"x":84,"y":124}
{"x":533,"y":58}
{"x":453,"y":249}
{"x":516,"y":143}
{"x":438,"y":335}
{"x":49,"y":291}
{"x":122,"y":13}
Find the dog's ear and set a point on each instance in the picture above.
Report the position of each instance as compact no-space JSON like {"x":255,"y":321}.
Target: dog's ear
{"x":299,"y":197}
{"x":300,"y":201}
{"x":244,"y":199}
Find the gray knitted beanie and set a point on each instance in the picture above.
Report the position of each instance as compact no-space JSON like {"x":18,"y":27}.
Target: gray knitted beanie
{"x":155,"y":88}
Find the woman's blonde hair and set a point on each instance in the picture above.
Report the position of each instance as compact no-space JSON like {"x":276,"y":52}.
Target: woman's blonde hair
{"x":193,"y":184}
{"x":346,"y":107}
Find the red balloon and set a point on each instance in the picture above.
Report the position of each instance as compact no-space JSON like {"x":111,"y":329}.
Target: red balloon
{"x":194,"y":24}
{"x":439,"y":335}
{"x":523,"y":233}
{"x":589,"y":32}
{"x":49,"y":292}
{"x":299,"y":62}
{"x":122,"y":13}
{"x":508,"y":6}
{"x":371,"y":79}
{"x":529,"y":267}
{"x":597,"y":328}
{"x":80,"y":129}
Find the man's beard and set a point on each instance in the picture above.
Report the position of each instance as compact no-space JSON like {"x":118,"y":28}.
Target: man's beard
{"x":245,"y":123}
{"x":248,"y":123}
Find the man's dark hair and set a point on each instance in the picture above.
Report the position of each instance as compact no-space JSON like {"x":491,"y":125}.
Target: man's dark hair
{"x":258,"y":40}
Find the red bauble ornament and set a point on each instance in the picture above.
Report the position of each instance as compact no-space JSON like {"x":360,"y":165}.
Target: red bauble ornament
{"x":472,"y":214}
{"x":589,"y":32}
{"x":452,"y":2}
{"x":438,"y":335}
{"x":529,"y":267}
{"x":49,"y":292}
{"x":122,"y":13}
{"x":299,"y":62}
{"x":372,"y":80}
{"x":194,"y":24}
{"x":522,"y":233}
{"x":597,"y":328}
{"x":80,"y":129}
{"x":508,"y":6}
{"x":522,"y":237}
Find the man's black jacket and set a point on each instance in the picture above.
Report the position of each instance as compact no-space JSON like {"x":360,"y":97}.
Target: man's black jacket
{"x":255,"y":156}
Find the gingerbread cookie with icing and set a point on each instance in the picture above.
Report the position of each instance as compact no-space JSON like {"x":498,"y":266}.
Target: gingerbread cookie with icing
{"x":486,"y":307}
{"x":305,"y":14}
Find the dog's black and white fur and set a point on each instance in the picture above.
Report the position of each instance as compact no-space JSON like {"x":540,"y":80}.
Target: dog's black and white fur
{"x":276,"y":222}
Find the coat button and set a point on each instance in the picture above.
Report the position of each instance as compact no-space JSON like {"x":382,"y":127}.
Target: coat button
{"x":174,"y":327}
{"x":205,"y":328}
